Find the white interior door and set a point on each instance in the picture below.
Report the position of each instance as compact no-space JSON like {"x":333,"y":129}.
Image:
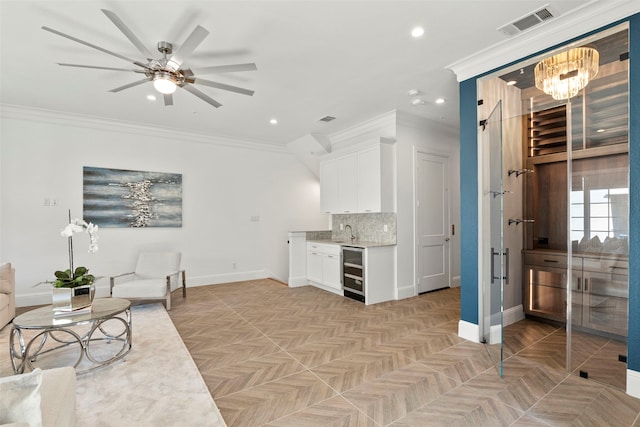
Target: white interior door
{"x":432,"y":222}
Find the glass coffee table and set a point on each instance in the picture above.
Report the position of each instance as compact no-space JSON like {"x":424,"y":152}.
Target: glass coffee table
{"x":85,"y":340}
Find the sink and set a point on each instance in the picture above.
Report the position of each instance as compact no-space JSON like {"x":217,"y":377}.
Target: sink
{"x":338,"y":241}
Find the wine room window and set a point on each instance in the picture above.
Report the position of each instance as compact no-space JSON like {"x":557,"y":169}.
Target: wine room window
{"x":599,"y":216}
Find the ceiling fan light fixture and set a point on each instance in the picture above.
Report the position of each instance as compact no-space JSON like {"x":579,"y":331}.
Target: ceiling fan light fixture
{"x":562,"y":76}
{"x":164,"y":83}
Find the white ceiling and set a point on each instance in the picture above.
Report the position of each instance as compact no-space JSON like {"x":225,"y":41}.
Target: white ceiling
{"x":353,"y":60}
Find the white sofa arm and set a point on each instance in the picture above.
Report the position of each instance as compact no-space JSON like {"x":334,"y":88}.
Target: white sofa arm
{"x":41,"y":397}
{"x":7,"y":293}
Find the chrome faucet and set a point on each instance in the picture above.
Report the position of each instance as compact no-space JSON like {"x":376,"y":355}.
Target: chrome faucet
{"x":351,"y":236}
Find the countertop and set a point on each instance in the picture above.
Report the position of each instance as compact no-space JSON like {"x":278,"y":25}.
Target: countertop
{"x":356,"y":243}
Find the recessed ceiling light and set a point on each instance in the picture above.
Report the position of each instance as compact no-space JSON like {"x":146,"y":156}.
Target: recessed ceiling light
{"x":511,"y":82}
{"x":601,"y":130}
{"x":413,"y":92}
{"x":417,"y":101}
{"x":151,"y":97}
{"x":273,"y":121}
{"x":440,"y":101}
{"x":417,"y":32}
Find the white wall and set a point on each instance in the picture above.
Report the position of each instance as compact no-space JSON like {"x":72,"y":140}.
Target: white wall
{"x":225,"y":184}
{"x":416,"y":133}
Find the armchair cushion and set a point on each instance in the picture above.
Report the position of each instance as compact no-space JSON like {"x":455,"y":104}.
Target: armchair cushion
{"x":144,"y":288}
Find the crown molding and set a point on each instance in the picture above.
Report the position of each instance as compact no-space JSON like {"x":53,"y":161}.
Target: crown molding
{"x":591,"y":16}
{"x":383,"y":125}
{"x":405,"y":118}
{"x":98,"y":123}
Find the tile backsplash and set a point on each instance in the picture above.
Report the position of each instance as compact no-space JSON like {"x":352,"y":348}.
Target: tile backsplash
{"x":367,"y":227}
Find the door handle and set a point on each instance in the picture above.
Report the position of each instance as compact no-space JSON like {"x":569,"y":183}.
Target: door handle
{"x":447,"y":239}
{"x":493,"y":274}
{"x":506,"y":254}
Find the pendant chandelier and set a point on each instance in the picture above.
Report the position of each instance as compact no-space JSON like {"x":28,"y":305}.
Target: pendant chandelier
{"x":563,"y":75}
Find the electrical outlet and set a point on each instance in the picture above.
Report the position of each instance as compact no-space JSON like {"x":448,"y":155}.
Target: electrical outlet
{"x":47,"y":202}
{"x":341,"y":227}
{"x":385,"y":228}
{"x":234,"y":265}
{"x":54,"y":202}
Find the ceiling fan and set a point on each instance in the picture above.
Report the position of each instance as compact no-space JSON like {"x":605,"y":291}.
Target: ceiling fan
{"x":168,"y":72}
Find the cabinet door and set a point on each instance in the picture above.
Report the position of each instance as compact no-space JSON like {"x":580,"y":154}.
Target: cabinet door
{"x":329,"y":186}
{"x":369,"y":187}
{"x":348,"y":184}
{"x":546,"y":292}
{"x":331,"y":271}
{"x":605,"y":302}
{"x":315,"y":267}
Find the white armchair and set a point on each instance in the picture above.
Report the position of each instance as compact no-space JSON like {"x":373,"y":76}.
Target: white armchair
{"x":156,"y":276}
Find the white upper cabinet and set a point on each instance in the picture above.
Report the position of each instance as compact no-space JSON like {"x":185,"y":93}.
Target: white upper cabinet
{"x":358,"y":182}
{"x":329,"y":186}
{"x":375,"y":179}
{"x":348,"y":173}
{"x":338,"y":184}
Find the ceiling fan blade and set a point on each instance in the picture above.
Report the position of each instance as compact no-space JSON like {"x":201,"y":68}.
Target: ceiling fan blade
{"x":128,"y":33}
{"x":168,"y":99}
{"x":96,"y":67}
{"x":224,"y":86}
{"x":201,"y":95}
{"x":195,"y":38}
{"x":225,"y":68}
{"x":127,"y":86}
{"x":101,"y":49}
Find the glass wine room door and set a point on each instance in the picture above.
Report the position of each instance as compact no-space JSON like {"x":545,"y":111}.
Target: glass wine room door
{"x":494,"y":283}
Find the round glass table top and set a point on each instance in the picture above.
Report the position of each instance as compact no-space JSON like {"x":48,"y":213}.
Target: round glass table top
{"x":45,"y":317}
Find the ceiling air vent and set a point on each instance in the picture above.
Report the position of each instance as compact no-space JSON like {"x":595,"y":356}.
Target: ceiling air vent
{"x":530,"y":20}
{"x":327,"y":119}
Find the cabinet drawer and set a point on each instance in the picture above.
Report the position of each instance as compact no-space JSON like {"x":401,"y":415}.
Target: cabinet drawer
{"x":606,"y":265}
{"x":323,"y":248}
{"x":546,"y":260}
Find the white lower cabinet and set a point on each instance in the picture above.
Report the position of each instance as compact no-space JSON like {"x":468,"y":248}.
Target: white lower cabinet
{"x":324,"y":266}
{"x":331,"y":271}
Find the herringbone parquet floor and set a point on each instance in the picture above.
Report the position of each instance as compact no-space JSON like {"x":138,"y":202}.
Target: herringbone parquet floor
{"x":293,"y":357}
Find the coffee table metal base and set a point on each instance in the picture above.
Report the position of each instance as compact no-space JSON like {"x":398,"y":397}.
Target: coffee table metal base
{"x":25,"y":352}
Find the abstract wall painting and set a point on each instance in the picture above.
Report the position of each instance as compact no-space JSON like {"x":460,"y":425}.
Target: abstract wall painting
{"x":125,"y":198}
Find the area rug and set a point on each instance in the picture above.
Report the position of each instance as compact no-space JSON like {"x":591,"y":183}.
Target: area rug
{"x":156,"y":384}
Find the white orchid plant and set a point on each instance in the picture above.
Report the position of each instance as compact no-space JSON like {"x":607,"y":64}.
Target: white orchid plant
{"x":79,"y":276}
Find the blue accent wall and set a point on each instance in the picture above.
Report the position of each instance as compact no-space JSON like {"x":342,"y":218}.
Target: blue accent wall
{"x":469,"y":201}
{"x":633,"y":342}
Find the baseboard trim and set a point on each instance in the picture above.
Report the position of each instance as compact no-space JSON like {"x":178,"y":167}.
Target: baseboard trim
{"x":295,"y":282}
{"x":513,"y":315}
{"x":406,"y":292}
{"x":215,"y":279}
{"x":469,"y":331}
{"x":455,"y":282}
{"x":43,"y":297}
{"x":633,"y":383}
